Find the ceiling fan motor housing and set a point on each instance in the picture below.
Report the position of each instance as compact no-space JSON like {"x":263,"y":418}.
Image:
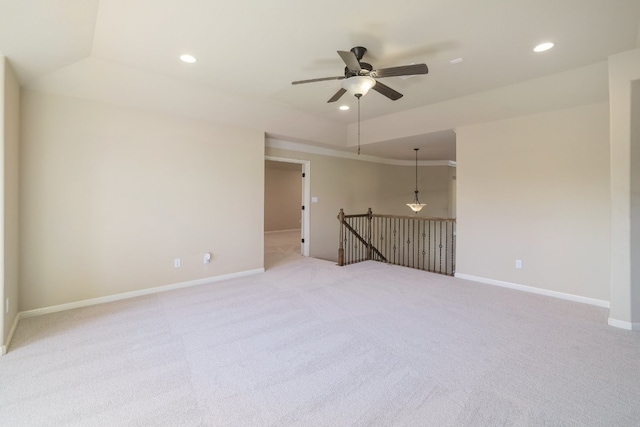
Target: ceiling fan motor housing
{"x":359,"y":52}
{"x":365,"y":69}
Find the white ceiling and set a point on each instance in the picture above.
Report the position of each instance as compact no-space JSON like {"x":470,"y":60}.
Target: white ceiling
{"x":126,"y":52}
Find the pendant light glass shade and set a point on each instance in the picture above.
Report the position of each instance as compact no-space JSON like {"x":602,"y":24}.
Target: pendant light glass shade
{"x":416,"y":206}
{"x":358,"y":85}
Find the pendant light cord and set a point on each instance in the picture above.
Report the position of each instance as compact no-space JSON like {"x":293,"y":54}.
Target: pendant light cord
{"x":416,"y":171}
{"x":416,"y":192}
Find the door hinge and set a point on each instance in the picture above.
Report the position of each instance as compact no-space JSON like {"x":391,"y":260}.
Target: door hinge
{"x":303,"y":174}
{"x":302,"y":207}
{"x":302,"y":240}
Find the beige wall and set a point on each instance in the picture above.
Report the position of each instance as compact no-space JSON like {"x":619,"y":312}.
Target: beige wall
{"x":536,"y":188}
{"x":578,"y":86}
{"x":9,"y":122}
{"x":624,"y":72}
{"x":356,"y":185}
{"x":111,"y":195}
{"x":634,"y":159}
{"x":3,"y":318}
{"x":395,"y":186}
{"x":282,"y":196}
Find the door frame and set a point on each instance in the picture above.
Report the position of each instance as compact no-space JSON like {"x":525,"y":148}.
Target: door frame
{"x":306,"y":198}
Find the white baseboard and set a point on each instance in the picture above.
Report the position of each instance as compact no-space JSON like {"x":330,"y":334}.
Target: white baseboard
{"x":533,"y":290}
{"x":299,"y":230}
{"x":5,"y":347}
{"x":624,"y":325}
{"x":118,"y":297}
{"x":133,"y":294}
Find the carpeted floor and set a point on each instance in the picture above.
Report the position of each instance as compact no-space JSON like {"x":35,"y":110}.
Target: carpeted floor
{"x":308,"y":343}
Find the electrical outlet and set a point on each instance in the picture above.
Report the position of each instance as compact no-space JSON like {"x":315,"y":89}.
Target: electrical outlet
{"x":207,"y":258}
{"x":176,"y":262}
{"x":518,"y":263}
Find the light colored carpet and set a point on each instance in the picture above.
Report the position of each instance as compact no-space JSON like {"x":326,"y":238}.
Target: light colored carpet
{"x":308,"y":343}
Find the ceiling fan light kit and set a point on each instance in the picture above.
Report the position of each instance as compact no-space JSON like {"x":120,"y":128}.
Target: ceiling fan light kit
{"x":358,"y":85}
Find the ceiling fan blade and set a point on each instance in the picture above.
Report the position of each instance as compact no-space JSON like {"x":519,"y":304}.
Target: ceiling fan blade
{"x":321,"y":79}
{"x":350,"y":59}
{"x":337,"y":95}
{"x":403,"y":70}
{"x":387,"y":91}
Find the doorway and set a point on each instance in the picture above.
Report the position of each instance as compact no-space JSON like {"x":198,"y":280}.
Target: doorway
{"x":287,"y":189}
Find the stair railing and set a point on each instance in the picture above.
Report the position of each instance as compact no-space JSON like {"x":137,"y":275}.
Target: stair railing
{"x":416,"y":242}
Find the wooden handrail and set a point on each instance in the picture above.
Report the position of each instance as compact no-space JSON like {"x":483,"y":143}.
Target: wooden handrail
{"x":424,"y":218}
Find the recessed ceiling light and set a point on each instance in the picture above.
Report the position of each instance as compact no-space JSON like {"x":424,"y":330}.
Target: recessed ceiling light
{"x":188,"y":59}
{"x":344,"y":107}
{"x":543,"y":46}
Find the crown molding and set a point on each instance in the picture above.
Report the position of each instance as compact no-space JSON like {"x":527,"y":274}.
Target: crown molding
{"x":312,"y":149}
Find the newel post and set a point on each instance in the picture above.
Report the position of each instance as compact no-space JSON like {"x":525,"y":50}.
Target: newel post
{"x":369,"y":217}
{"x":340,"y":243}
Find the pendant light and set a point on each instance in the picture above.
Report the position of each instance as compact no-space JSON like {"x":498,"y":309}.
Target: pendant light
{"x":416,"y":206}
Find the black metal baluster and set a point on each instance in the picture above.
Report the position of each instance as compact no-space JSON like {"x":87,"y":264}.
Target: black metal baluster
{"x":350,"y":247}
{"x":413,"y":243}
{"x":395,"y":228}
{"x":424,"y":252}
{"x":440,"y":247}
{"x":405,"y":238}
{"x":429,"y":249}
{"x":453,"y":249}
{"x":409,"y":243}
{"x":389,"y":222}
{"x":357,"y":243}
{"x":353,"y":245}
{"x":407,"y":234}
{"x":446,"y":248}
{"x":417,"y":237}
{"x":400,"y":241}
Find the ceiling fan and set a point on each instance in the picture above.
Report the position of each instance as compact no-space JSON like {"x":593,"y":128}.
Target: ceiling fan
{"x":359,"y":77}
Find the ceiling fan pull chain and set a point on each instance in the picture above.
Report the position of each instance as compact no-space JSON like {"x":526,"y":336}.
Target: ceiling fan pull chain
{"x":358,"y":96}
